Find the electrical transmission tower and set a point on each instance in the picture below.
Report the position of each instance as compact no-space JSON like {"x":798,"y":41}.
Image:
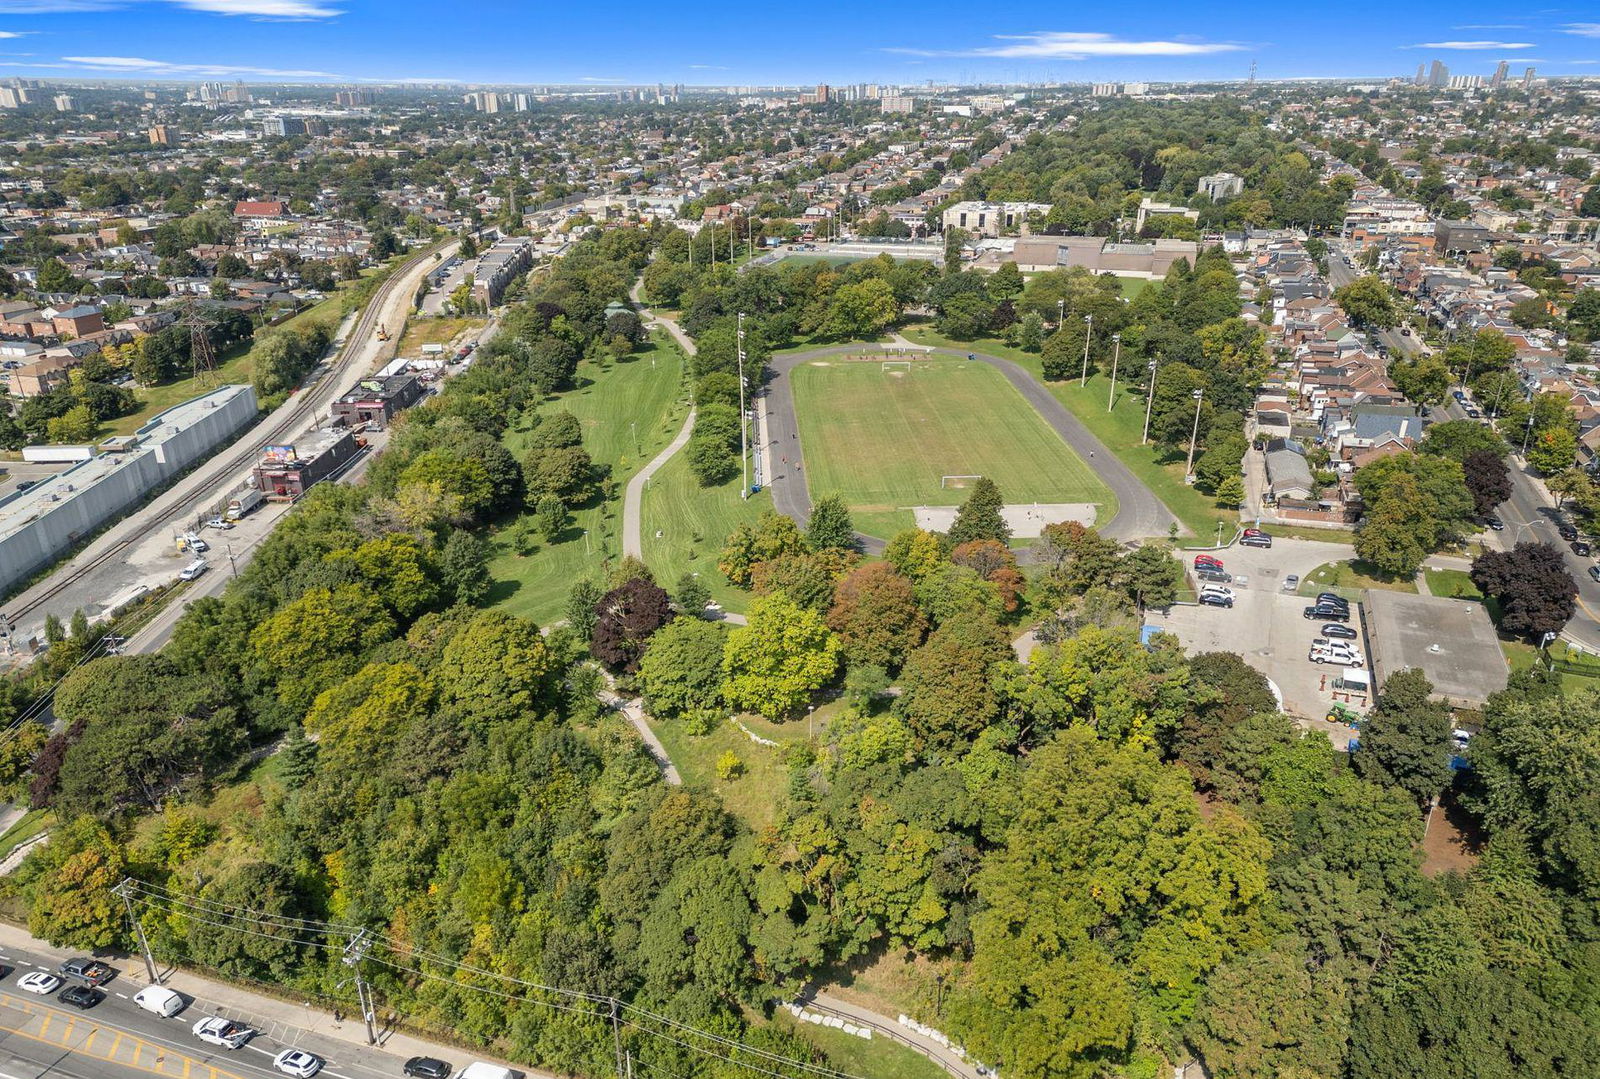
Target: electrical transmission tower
{"x":1252,"y":73}
{"x":200,"y":319}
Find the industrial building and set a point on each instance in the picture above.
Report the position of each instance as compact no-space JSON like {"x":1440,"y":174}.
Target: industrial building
{"x":40,"y":525}
{"x":287,"y":472}
{"x":1452,"y":641}
{"x":377,"y":398}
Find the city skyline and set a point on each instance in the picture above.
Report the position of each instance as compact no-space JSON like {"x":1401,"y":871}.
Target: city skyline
{"x":502,"y":43}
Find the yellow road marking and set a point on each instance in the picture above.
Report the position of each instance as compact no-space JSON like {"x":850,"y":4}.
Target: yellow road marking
{"x":125,"y":1049}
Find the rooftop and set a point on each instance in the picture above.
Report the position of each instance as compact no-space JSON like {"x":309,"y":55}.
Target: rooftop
{"x":1452,"y":641}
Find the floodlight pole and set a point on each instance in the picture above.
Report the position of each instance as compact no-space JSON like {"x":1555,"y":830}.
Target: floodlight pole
{"x":1194,"y":435}
{"x":1149,"y":401}
{"x":1088,"y":329}
{"x":744,"y":462}
{"x":1116,"y":354}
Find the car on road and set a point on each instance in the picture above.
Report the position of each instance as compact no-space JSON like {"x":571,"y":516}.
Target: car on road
{"x":25,"y":484}
{"x":298,"y":1063}
{"x":1291,"y":582}
{"x":216,"y":1030}
{"x":160,"y":1000}
{"x":1580,"y":548}
{"x":81,"y":997}
{"x":1261,"y":540}
{"x":220,"y":524}
{"x":87,"y":971}
{"x":1214,"y":599}
{"x":1215,"y":575}
{"x":1327,"y":614}
{"x":37,"y":981}
{"x":193,"y":570}
{"x":1334,"y":629}
{"x":1495,"y":524}
{"x":427,"y":1068}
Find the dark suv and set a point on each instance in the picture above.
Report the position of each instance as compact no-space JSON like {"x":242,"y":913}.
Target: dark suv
{"x":1327,"y":614}
{"x":427,"y":1068}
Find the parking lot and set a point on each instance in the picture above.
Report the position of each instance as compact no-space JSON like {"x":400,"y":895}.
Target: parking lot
{"x":1267,"y":626}
{"x":15,"y":472}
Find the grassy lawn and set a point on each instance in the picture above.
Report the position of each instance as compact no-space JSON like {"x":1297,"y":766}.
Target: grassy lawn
{"x":883,"y":438}
{"x":1132,"y":286}
{"x":28,"y":825}
{"x":1521,"y":655}
{"x":1350,"y":579}
{"x":1452,"y":583}
{"x":752,"y":796}
{"x":435,"y":331}
{"x":1120,"y":429}
{"x":881,"y":1058}
{"x":693,"y":522}
{"x":640,"y":397}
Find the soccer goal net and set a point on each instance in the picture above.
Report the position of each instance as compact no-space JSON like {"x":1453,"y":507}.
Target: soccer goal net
{"x":948,"y":482}
{"x":896,"y":365}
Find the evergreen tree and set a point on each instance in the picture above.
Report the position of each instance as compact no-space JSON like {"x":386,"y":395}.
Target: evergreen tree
{"x":979,"y":517}
{"x":830,"y":526}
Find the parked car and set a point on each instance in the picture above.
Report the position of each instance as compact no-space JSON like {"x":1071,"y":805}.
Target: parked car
{"x":1335,"y":600}
{"x":1291,"y":582}
{"x":81,"y":997}
{"x":219,"y":523}
{"x":37,"y":981}
{"x":1334,"y":629}
{"x":1216,"y":590}
{"x":1459,"y":395}
{"x":1262,"y":540}
{"x":1495,"y":524}
{"x":1580,"y":548}
{"x":1567,"y":532}
{"x":160,"y":1000}
{"x":298,"y":1063}
{"x":192,"y":570}
{"x":427,"y":1068}
{"x":1594,"y":574}
{"x":1329,"y":614}
{"x":1207,"y":560}
{"x":1215,"y":575}
{"x":1338,"y":658}
{"x":87,"y":971}
{"x":1212,"y":599}
{"x":1472,"y":412}
{"x":216,"y":1030}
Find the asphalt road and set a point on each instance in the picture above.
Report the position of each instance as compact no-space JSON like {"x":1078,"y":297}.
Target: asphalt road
{"x":1140,"y":514}
{"x":116,"y":1039}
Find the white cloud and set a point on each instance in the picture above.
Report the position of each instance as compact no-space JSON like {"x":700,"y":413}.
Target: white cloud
{"x":1074,"y":45}
{"x":14,"y":33}
{"x":1582,"y":29}
{"x":600,"y":78}
{"x":287,"y":10}
{"x":138,"y":65}
{"x":707,"y":67}
{"x":1485,"y":46}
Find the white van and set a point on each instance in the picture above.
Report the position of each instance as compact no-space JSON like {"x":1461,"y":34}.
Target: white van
{"x":479,"y":1070}
{"x":159,"y":1000}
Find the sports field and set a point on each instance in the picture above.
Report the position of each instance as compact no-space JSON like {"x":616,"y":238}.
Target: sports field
{"x":884,"y":438}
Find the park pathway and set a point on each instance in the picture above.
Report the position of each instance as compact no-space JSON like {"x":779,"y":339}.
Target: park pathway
{"x":1140,"y":514}
{"x":633,"y":496}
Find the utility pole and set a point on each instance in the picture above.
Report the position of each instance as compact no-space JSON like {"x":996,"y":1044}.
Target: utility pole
{"x":354,"y":952}
{"x":1194,"y":435}
{"x":1061,"y":314}
{"x":1116,"y":354}
{"x":616,"y":1037}
{"x":1149,"y":400}
{"x":124,"y":891}
{"x":744,"y":457}
{"x":1088,"y":329}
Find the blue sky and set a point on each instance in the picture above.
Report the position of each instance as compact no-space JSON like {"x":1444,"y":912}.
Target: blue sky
{"x":888,"y":41}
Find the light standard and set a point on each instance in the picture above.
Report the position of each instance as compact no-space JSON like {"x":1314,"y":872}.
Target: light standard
{"x":1149,"y":400}
{"x":1061,"y":314}
{"x":1525,"y":436}
{"x":1194,"y":435}
{"x":1088,"y":328}
{"x":1116,"y":354}
{"x":744,"y":464}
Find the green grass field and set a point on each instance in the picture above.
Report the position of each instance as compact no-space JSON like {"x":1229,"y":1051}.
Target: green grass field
{"x":1452,"y":583}
{"x":1350,"y":579}
{"x":1120,"y":429}
{"x":883,"y":438}
{"x":881,"y":1058}
{"x":640,"y":398}
{"x":693,"y":522}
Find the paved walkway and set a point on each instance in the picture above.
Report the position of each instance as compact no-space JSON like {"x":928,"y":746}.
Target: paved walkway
{"x":1140,"y":513}
{"x":942,"y":1055}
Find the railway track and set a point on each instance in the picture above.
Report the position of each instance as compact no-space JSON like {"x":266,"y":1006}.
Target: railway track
{"x":244,"y":450}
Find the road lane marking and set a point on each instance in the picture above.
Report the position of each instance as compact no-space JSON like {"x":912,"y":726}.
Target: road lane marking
{"x":38,"y":1023}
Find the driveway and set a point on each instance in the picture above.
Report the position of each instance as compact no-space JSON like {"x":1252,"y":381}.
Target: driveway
{"x":1140,"y":513}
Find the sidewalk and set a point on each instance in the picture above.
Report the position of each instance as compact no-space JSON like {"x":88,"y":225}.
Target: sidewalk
{"x":264,"y":1012}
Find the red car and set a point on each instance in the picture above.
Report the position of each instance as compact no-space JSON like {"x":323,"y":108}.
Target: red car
{"x":1207,"y":560}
